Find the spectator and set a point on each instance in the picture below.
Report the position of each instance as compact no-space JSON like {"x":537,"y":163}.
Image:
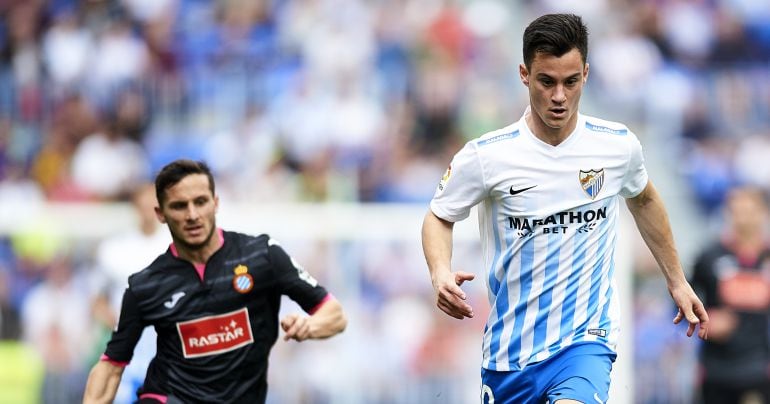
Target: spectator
{"x":119,"y":58}
{"x":109,"y":163}
{"x":62,"y":333}
{"x":66,"y":50}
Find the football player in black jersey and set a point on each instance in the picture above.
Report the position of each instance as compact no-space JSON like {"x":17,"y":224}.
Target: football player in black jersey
{"x":213,"y":298}
{"x":732,"y":275}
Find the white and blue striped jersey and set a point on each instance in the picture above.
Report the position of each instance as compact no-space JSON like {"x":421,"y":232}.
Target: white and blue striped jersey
{"x":547,"y":221}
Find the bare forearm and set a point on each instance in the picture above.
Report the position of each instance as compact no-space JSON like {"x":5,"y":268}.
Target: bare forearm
{"x":437,"y":246}
{"x":102,"y":383}
{"x":328,"y":321}
{"x":652,"y":221}
{"x":437,"y":243}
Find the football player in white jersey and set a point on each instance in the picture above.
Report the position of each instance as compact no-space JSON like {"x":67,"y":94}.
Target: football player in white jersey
{"x":547,"y":189}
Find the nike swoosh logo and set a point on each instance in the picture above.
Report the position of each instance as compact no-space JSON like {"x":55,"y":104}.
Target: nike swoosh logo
{"x":174,"y":298}
{"x":518,"y":191}
{"x":598,"y":400}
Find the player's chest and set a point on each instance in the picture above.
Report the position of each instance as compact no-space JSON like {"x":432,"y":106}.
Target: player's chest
{"x":743,"y":285}
{"x":226,"y":285}
{"x":543,"y":182}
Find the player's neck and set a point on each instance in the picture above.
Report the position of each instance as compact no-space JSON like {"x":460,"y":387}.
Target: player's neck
{"x":547,"y":134}
{"x":200,"y":255}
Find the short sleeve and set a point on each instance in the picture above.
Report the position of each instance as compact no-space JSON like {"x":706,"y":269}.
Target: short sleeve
{"x":293,"y":280}
{"x":120,"y":348}
{"x":461,"y":187}
{"x":635,"y":179}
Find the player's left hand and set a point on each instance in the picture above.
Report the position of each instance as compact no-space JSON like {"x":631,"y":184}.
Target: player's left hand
{"x":691,"y":309}
{"x":297,"y":327}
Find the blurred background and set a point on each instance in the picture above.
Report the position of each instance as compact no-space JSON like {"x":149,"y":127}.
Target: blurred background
{"x":311,"y":110}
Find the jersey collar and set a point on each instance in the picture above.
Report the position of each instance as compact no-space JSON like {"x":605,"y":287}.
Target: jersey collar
{"x":548,"y":148}
{"x":221,"y":233}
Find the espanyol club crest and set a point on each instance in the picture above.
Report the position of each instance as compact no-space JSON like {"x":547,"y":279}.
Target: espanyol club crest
{"x":591,"y":181}
{"x":242,"y":281}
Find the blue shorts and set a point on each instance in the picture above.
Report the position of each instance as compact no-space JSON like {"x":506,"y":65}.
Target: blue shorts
{"x":579,"y":372}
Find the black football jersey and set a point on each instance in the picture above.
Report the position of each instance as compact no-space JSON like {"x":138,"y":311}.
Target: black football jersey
{"x":724,"y":279}
{"x":214,"y":333}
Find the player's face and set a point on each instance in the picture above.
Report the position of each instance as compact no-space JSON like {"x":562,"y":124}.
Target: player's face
{"x":555,"y":85}
{"x":748,"y":214}
{"x":189,"y":210}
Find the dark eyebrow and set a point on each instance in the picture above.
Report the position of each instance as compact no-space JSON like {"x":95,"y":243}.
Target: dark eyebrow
{"x":546,"y":76}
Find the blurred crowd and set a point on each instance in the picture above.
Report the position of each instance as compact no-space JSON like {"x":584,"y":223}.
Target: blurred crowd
{"x":348,"y":99}
{"x":340,"y":100}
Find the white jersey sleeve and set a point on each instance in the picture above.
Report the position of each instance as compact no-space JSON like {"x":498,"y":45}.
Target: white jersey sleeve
{"x":461,"y":187}
{"x":636,"y":174}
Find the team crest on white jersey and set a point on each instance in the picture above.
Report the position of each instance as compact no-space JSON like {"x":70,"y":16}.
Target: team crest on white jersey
{"x":591,"y":181}
{"x":445,"y":178}
{"x":242,"y":281}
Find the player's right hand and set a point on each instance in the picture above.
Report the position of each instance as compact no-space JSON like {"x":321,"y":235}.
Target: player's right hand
{"x":450,"y":298}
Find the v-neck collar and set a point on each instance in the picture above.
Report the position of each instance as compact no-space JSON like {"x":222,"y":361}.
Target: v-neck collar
{"x":200,"y":268}
{"x":547,"y":147}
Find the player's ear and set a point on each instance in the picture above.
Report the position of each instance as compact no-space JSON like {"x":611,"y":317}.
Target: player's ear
{"x":585,"y":73}
{"x":524,"y":74}
{"x":159,"y":215}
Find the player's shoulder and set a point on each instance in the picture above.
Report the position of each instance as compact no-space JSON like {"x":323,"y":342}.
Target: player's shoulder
{"x":243,"y":239}
{"x":504,"y":134}
{"x":495,"y":141}
{"x":154,"y":270}
{"x":600,"y":126}
{"x":247,"y":247}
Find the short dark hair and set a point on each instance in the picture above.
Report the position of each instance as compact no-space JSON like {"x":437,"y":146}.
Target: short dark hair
{"x":175,"y":171}
{"x":555,"y":34}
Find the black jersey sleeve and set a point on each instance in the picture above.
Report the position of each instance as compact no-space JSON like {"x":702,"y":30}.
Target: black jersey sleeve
{"x":120,"y":348}
{"x":704,"y":280}
{"x":294,"y":281}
